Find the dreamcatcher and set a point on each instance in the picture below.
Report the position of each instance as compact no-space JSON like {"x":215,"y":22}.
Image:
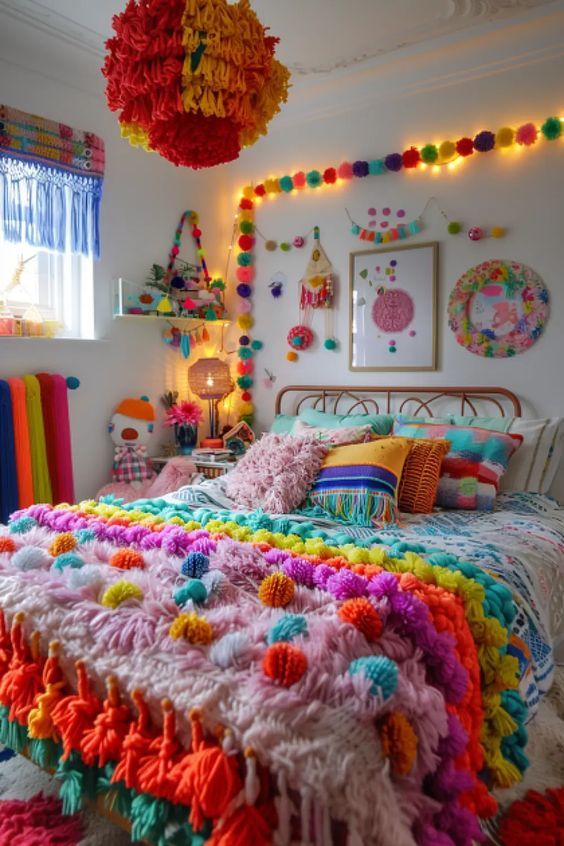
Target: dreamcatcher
{"x":316,"y":292}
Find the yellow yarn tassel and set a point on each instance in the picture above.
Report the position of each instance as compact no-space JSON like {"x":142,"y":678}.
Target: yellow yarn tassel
{"x":121,"y":591}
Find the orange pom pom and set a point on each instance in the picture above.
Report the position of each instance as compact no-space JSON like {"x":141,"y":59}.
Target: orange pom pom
{"x":7,"y":545}
{"x":399,"y":742}
{"x":277,"y":590}
{"x":63,"y":543}
{"x":292,"y":356}
{"x":127,"y":559}
{"x":284,"y":663}
{"x":361,"y":614}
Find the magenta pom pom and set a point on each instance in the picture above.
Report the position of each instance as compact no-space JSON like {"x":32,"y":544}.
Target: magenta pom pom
{"x":345,"y":170}
{"x":394,"y":162}
{"x":484,"y":141}
{"x":360,"y":168}
{"x":527,"y":134}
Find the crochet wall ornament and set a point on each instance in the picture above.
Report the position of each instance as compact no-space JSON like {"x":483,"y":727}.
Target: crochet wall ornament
{"x":193,"y":80}
{"x":498,"y":308}
{"x":316,"y":291}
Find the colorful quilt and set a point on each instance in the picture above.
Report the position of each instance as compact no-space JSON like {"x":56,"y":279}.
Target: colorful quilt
{"x":237,"y":679}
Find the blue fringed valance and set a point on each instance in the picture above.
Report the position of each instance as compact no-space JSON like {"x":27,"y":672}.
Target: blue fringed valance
{"x":51,"y":178}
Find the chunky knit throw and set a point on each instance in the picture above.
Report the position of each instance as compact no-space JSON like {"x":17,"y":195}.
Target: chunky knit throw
{"x":241,"y":679}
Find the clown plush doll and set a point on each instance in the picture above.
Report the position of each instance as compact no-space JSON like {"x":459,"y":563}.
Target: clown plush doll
{"x":130,"y":429}
{"x":132,"y":472}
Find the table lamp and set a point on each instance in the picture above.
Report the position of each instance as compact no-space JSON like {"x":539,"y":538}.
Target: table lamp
{"x":210,"y":379}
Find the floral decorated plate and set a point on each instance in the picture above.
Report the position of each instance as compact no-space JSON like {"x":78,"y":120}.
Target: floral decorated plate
{"x":498,"y":308}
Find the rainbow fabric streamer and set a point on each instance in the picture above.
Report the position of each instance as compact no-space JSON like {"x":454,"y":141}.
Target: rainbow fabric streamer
{"x":254,"y":664}
{"x":52,"y":178}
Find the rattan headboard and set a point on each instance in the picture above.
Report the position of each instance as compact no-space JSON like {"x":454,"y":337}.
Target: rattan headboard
{"x":345,"y":399}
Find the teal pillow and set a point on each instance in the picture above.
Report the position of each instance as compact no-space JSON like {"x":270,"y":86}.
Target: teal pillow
{"x":282,"y":424}
{"x":494,"y":424}
{"x":381,"y":423}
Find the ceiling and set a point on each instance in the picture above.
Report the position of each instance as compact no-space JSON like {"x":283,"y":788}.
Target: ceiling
{"x":317,"y":37}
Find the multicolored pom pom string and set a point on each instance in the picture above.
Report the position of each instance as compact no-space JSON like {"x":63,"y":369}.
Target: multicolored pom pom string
{"x":429,"y":155}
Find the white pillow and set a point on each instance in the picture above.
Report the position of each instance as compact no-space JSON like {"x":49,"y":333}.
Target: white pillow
{"x":534,"y":465}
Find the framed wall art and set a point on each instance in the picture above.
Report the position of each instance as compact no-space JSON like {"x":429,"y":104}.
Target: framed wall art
{"x":393,"y":308}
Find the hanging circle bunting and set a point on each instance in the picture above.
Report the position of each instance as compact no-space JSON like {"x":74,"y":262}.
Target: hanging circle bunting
{"x":498,"y":308}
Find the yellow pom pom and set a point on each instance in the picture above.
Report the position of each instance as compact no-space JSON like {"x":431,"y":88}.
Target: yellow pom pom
{"x":248,"y":192}
{"x":246,"y":409}
{"x":447,"y":151}
{"x":119,"y":592}
{"x":272,"y":186}
{"x":194,"y":218}
{"x":505,"y":137}
{"x":277,"y":590}
{"x":63,"y":543}
{"x":194,"y":628}
{"x":497,"y":232}
{"x":245,"y":321}
{"x":292,"y":356}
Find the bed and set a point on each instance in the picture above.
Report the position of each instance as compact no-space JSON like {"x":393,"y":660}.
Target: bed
{"x":317,"y":684}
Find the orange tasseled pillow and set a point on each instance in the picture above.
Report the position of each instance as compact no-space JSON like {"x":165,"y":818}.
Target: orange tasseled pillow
{"x":420,"y":477}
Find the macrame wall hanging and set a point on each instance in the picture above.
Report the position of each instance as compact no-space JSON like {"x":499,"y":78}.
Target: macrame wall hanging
{"x":316,"y":293}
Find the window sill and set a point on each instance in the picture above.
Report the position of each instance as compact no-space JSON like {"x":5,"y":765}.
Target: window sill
{"x":57,"y":339}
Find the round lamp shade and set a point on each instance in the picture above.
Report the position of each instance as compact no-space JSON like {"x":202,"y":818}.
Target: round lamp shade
{"x":210,"y":379}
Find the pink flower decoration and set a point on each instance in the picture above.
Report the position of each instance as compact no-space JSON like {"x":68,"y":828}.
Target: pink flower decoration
{"x":345,"y":170}
{"x":184,"y":412}
{"x":527,"y":134}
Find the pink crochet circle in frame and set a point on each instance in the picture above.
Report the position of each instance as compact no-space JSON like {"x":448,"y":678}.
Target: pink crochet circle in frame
{"x":393,"y":310}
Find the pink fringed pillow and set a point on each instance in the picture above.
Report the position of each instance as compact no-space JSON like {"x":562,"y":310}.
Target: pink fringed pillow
{"x":277,"y":473}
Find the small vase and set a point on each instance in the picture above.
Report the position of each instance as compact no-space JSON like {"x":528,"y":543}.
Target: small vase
{"x":186,"y":437}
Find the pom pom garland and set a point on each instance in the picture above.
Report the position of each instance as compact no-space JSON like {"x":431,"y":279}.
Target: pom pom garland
{"x":256,"y":345}
{"x":411,"y":157}
{"x":244,"y":340}
{"x":394,"y":162}
{"x":505,"y":137}
{"x":527,"y":134}
{"x":552,"y":128}
{"x":484,"y":141}
{"x":465,"y":147}
{"x":433,"y":153}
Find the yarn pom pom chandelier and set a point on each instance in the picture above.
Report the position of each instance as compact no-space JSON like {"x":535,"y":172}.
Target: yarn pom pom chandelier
{"x":193,"y":80}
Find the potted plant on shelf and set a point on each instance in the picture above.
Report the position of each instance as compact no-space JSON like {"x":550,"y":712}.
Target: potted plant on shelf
{"x":185,"y":416}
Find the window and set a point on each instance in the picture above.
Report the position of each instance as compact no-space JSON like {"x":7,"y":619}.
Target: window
{"x":58,"y":286}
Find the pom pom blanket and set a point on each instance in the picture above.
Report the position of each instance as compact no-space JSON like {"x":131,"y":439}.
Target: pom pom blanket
{"x":246,"y":680}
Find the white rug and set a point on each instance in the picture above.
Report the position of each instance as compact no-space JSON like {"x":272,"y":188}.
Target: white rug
{"x":20,"y":779}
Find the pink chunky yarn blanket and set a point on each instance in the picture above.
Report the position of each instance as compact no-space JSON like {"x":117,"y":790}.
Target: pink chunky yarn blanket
{"x":237,"y":679}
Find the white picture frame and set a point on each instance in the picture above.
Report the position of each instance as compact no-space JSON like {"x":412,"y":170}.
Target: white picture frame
{"x":393,"y":305}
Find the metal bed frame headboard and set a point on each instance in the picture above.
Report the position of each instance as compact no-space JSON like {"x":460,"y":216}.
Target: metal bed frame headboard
{"x":366,"y":399}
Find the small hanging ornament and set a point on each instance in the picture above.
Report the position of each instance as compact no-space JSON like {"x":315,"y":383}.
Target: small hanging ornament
{"x":165,"y":306}
{"x":316,"y":291}
{"x":185,"y":345}
{"x":475,"y":233}
{"x":205,"y":335}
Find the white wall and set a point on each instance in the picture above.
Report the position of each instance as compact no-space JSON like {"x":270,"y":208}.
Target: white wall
{"x":509,"y":76}
{"x":143,"y":198}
